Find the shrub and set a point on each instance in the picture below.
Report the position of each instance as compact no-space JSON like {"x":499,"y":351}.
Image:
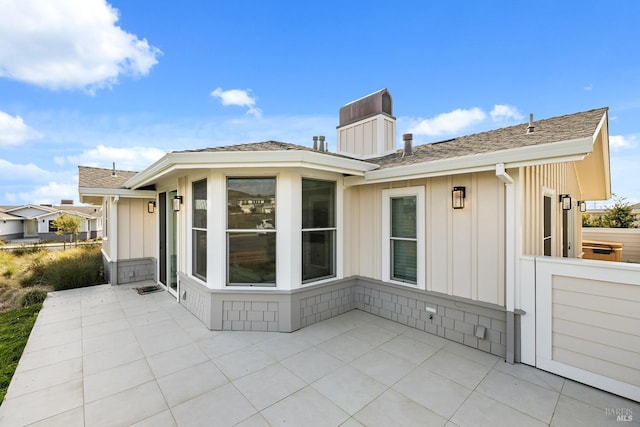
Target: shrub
{"x":27,"y":250}
{"x":32,"y":297}
{"x":76,"y":270}
{"x":10,"y":271}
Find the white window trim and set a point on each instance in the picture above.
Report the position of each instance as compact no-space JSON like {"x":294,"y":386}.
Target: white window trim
{"x":549,"y":192}
{"x":333,"y":277}
{"x":387,"y":195}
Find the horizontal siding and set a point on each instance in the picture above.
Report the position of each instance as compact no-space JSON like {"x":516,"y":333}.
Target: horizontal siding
{"x":596,"y":327}
{"x":597,"y":366}
{"x":629,"y":237}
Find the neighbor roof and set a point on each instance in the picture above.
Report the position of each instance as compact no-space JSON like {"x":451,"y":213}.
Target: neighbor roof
{"x":562,"y":128}
{"x":90,"y":177}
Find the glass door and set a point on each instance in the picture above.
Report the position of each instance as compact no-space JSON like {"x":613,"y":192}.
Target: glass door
{"x":172,"y":252}
{"x":168,"y":253}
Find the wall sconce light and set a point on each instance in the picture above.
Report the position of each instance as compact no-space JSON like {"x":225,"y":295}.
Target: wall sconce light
{"x":177,"y":201}
{"x":583,"y":206}
{"x":151,"y":206}
{"x":565,"y":200}
{"x":457,"y":197}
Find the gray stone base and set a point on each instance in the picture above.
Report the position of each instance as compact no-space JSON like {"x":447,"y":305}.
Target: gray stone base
{"x":457,"y":319}
{"x":129,"y":271}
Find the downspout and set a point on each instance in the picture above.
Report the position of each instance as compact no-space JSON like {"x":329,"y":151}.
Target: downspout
{"x":510,"y":261}
{"x":114,"y":240}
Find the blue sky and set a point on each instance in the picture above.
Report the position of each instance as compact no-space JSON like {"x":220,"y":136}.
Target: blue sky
{"x":91,"y":83}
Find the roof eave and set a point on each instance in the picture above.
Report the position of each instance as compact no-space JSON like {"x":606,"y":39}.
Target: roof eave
{"x":248,"y":159}
{"x":86,"y":192}
{"x":561,"y":151}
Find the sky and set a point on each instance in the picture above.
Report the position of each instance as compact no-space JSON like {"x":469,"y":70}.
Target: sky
{"x":91,"y":82}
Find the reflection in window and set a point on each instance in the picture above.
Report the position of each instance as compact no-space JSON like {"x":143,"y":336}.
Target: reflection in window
{"x":199,"y":229}
{"x":318,"y":229}
{"x":251,"y":231}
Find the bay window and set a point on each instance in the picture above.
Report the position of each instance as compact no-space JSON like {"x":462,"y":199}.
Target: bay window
{"x":251,"y":231}
{"x":199,"y":229}
{"x":318,"y":230}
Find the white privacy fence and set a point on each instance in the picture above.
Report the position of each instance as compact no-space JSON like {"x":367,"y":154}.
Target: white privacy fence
{"x":584,"y":322}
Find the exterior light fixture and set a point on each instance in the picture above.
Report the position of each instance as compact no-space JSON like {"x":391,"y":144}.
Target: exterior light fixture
{"x":457,"y":197}
{"x":177,"y":201}
{"x":583,"y":206}
{"x":565,"y":200}
{"x":151,"y":206}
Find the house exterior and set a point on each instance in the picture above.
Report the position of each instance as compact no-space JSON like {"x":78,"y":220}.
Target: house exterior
{"x":35,"y":222}
{"x":273,"y":236}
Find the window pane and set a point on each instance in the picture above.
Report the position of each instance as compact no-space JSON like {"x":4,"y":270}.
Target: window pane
{"x":403,"y":260}
{"x":252,"y":258}
{"x":403,"y":217}
{"x":251,"y":203}
{"x":200,"y":204}
{"x":199,"y":266}
{"x":318,"y":209}
{"x":318,"y":254}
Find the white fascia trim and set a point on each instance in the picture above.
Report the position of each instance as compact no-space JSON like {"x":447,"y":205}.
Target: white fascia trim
{"x":109,"y":192}
{"x":571,"y":150}
{"x":249,"y":159}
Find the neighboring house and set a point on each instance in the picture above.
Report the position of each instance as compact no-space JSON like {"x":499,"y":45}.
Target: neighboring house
{"x":35,"y":221}
{"x":11,"y":226}
{"x":432,"y":236}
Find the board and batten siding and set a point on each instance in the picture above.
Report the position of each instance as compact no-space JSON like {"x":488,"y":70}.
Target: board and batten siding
{"x":464,"y":254}
{"x":356,"y":138}
{"x":137,"y":234}
{"x":629,"y":237}
{"x":560,"y":178}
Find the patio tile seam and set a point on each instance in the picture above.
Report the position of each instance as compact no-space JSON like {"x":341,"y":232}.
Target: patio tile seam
{"x":548,"y":422}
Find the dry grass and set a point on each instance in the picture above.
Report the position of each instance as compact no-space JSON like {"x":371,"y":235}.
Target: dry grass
{"x":32,"y":268}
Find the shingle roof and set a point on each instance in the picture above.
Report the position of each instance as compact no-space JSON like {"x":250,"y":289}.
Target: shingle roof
{"x":261,"y":146}
{"x":90,"y":177}
{"x":562,"y":128}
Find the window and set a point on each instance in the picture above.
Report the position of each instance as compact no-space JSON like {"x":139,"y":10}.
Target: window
{"x":199,"y":229}
{"x":318,"y":230}
{"x":546,"y":238}
{"x":251,"y":231}
{"x":403,"y":225}
{"x":52,"y":227}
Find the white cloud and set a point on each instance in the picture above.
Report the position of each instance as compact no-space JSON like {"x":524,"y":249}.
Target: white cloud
{"x":502,"y":113}
{"x":52,"y":193}
{"x":13,"y":172}
{"x":238,"y":97}
{"x":449,"y":123}
{"x":588,"y":88}
{"x":620,"y":142}
{"x":69,"y":44}
{"x":131,"y":158}
{"x":14,"y":131}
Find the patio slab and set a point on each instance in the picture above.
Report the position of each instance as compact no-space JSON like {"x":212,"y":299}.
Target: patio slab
{"x":106,"y":356}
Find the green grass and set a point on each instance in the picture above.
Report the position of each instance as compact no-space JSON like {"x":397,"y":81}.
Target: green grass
{"x":15,"y":327}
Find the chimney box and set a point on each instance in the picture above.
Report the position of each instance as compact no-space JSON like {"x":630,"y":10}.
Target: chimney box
{"x":367,"y":127}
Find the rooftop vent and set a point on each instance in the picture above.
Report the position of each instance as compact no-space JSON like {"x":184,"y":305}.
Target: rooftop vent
{"x":113,"y":171}
{"x":530,"y":128}
{"x":66,"y":202}
{"x":408,"y":144}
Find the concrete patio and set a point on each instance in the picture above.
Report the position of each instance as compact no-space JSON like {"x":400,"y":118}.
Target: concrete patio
{"x":106,"y":356}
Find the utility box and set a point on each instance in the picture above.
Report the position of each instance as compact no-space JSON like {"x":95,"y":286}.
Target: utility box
{"x":604,"y":251}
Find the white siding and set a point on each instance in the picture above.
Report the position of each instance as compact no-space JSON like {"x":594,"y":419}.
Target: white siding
{"x":464,"y":248}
